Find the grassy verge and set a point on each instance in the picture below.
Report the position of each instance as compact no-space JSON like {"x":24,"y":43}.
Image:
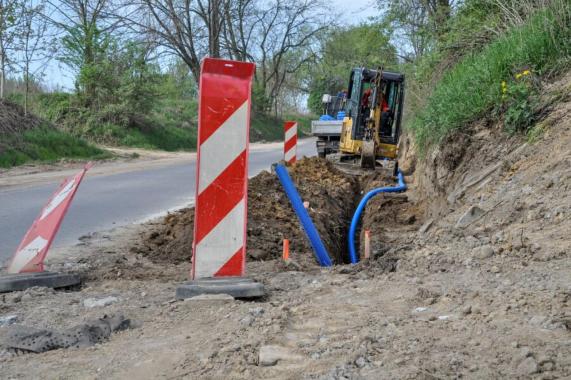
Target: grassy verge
{"x":43,"y":144}
{"x":268,"y":128}
{"x":472,"y":88}
{"x":170,"y":126}
{"x":164,"y":138}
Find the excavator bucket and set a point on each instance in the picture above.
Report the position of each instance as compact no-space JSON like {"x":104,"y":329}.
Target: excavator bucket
{"x":368,"y":158}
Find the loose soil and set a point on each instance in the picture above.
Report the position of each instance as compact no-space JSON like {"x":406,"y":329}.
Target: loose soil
{"x":13,"y":119}
{"x":328,"y":192}
{"x":485,"y":299}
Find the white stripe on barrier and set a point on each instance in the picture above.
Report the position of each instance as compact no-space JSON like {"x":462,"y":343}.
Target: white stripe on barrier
{"x":58,"y":199}
{"x":221,"y":243}
{"x":23,"y":256}
{"x":291,"y":132}
{"x":289,"y":154}
{"x":222,"y":147}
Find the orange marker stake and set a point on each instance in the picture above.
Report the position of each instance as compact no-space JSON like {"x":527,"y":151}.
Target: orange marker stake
{"x":367,"y":244}
{"x":286,"y":250}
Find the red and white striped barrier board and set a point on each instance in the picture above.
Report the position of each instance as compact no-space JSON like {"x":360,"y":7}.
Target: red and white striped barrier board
{"x":290,"y":142}
{"x":33,"y":249}
{"x":219,"y":246}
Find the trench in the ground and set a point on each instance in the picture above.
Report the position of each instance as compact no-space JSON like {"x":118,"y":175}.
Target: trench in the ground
{"x":342,"y":253}
{"x":331,"y":194}
{"x":389,"y":217}
{"x":362,"y":182}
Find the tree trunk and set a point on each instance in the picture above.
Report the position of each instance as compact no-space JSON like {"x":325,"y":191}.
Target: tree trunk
{"x":214,"y":29}
{"x":27,"y":88}
{"x":2,"y":75}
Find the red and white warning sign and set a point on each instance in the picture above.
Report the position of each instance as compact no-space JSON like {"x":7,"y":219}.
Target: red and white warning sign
{"x":33,"y":249}
{"x":219,"y":246}
{"x":290,"y":142}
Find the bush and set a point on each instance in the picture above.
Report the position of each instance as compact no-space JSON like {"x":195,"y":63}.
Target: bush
{"x":471,"y":89}
{"x":520,"y":102}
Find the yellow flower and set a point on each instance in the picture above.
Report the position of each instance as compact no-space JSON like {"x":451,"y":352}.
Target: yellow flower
{"x":504,"y":87}
{"x":523,"y":73}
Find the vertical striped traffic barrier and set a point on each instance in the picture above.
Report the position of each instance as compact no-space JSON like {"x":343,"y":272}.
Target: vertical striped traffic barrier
{"x":219,"y":246}
{"x":33,"y":249}
{"x":290,"y":142}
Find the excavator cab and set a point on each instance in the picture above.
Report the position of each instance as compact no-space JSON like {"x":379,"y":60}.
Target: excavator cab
{"x":372,"y":126}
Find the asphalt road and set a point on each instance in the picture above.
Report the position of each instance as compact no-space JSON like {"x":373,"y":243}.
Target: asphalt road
{"x":106,"y":201}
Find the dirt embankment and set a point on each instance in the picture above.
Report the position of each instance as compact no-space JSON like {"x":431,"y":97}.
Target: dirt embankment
{"x":14,"y":120}
{"x":329,"y":195}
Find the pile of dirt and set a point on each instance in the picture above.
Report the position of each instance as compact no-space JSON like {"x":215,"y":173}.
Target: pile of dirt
{"x":330,"y":196}
{"x":169,"y":241}
{"x":14,"y":120}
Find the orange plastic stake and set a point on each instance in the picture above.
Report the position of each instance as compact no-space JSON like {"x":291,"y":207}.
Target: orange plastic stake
{"x":367,"y":244}
{"x":286,"y":250}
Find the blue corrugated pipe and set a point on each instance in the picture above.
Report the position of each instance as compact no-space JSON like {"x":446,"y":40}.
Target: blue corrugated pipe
{"x":355,"y":221}
{"x":310,"y":230}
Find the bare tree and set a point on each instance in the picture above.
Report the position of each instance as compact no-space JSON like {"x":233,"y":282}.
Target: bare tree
{"x":240,"y":28}
{"x":189,"y":29}
{"x":9,"y":22}
{"x":418,"y":22}
{"x":35,"y":45}
{"x":279,"y":35}
{"x":259,"y":31}
{"x":288,"y":32}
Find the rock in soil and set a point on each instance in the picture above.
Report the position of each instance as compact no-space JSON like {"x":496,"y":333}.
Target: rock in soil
{"x":92,"y":302}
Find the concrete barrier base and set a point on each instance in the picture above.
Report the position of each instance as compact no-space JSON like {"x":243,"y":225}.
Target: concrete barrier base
{"x":237,"y":287}
{"x":23,"y":281}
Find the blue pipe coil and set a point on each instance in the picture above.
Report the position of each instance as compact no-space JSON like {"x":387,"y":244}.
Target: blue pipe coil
{"x":355,"y":221}
{"x":310,"y":230}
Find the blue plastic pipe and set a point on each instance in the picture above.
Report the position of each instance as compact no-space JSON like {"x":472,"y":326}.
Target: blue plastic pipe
{"x":310,"y":230}
{"x":355,"y":221}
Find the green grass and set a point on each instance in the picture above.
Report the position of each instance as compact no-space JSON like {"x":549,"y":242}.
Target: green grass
{"x":268,"y":128}
{"x":165,"y":138}
{"x":303,"y":123}
{"x":45,"y":145}
{"x":171,"y":138}
{"x":170,"y":125}
{"x":472,"y":88}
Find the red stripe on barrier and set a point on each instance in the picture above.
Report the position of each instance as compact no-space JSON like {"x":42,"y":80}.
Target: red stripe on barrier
{"x":234,"y":265}
{"x":218,"y":199}
{"x":291,"y":143}
{"x":289,"y":124}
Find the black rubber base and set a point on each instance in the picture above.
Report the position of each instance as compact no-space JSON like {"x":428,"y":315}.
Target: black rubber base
{"x":23,"y":281}
{"x":237,"y":287}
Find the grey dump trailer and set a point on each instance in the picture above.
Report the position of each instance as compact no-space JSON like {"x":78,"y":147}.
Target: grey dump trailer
{"x":328,"y":128}
{"x":328,"y":133}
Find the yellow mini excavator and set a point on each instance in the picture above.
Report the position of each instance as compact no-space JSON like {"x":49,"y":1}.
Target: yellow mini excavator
{"x":372,"y":125}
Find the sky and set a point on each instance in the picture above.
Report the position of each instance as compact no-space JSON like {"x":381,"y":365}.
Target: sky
{"x":57,"y":76}
{"x":355,"y":11}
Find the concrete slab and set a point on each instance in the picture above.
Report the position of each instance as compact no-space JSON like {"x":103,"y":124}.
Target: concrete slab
{"x":237,"y":287}
{"x":23,"y":281}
